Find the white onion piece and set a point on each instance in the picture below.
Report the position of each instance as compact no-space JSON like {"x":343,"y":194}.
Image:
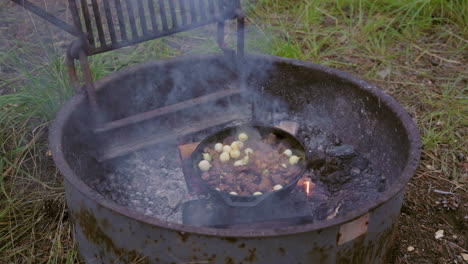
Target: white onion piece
{"x":238,"y":163}
{"x":293,"y":159}
{"x":277,"y":187}
{"x":204,"y":165}
{"x":224,"y":157}
{"x":227,"y":148}
{"x":219,"y":147}
{"x":206,"y":156}
{"x":235,"y":145}
{"x":235,"y":154}
{"x":243,"y":136}
{"x":247,"y":151}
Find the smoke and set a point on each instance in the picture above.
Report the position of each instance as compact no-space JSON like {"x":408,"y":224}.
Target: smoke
{"x":146,"y":174}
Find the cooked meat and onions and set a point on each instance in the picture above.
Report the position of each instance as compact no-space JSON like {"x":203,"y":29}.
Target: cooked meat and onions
{"x":244,"y":166}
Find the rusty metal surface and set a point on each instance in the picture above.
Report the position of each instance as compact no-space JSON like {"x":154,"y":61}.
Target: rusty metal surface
{"x":89,"y":84}
{"x":108,"y":232}
{"x":105,"y":236}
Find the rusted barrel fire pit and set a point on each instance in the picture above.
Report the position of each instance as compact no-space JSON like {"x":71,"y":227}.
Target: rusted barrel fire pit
{"x":124,"y":145}
{"x":355,"y":111}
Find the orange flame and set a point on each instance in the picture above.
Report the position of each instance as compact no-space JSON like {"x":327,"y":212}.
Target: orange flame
{"x":307,"y":184}
{"x":307,"y":187}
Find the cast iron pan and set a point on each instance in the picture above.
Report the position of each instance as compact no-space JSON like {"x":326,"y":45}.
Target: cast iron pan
{"x":255,"y":132}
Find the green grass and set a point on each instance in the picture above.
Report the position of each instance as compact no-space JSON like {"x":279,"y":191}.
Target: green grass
{"x":444,"y":130}
{"x":405,"y":37}
{"x":33,"y":224}
{"x":414,"y":50}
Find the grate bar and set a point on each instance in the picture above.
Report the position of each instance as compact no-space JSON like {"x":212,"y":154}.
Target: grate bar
{"x":97,"y":18}
{"x":193,"y":13}
{"x":121,"y":150}
{"x":149,"y":37}
{"x":173,"y":13}
{"x":220,"y":8}
{"x":162,"y":10}
{"x":183,"y":12}
{"x":51,"y":18}
{"x":240,"y":37}
{"x":131,"y":17}
{"x":89,"y":29}
{"x":110,"y":23}
{"x":123,"y":30}
{"x":75,"y":15}
{"x":141,"y":11}
{"x":211,"y":8}
{"x":202,"y":10}
{"x":154,"y":23}
{"x":166,"y":110}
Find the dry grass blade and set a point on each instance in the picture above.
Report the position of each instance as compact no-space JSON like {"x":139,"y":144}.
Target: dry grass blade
{"x":424,"y":51}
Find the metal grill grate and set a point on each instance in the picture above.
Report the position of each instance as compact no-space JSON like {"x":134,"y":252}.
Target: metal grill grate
{"x":111,"y":24}
{"x":103,"y":25}
{"x":114,"y":24}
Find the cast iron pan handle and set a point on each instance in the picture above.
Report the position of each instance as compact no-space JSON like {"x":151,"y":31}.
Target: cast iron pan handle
{"x":243,"y":201}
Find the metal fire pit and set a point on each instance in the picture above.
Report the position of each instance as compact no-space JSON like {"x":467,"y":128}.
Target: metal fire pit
{"x":118,"y":115}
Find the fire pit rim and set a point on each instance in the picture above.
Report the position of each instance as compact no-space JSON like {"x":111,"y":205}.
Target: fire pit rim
{"x":56,"y":133}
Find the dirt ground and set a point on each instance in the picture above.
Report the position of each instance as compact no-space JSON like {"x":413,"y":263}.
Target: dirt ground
{"x":431,"y":204}
{"x":425,"y":212}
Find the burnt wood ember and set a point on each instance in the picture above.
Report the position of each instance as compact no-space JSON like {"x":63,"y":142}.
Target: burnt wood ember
{"x":344,"y":151}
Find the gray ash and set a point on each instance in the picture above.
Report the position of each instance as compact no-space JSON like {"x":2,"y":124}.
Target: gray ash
{"x":150,"y":182}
